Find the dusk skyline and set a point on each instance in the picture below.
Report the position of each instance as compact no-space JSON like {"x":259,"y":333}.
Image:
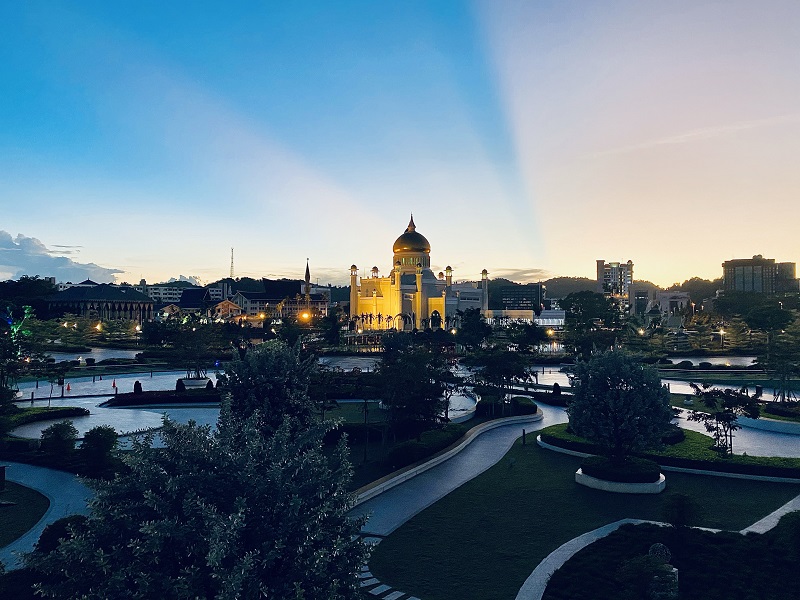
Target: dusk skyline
{"x":530,"y":139}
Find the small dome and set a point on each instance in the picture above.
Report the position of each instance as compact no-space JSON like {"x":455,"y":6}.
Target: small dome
{"x":411,"y":241}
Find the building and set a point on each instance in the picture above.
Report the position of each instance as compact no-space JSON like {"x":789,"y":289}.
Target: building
{"x":523,"y":297}
{"x":614,"y":278}
{"x":104,"y":301}
{"x":410,"y":296}
{"x":759,"y":275}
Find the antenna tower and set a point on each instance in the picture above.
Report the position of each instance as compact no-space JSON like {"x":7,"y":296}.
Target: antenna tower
{"x":231,"y":263}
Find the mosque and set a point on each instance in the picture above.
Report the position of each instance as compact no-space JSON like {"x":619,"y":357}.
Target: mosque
{"x":411,"y":296}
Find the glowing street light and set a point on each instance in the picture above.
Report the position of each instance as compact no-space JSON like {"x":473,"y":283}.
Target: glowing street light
{"x":722,"y":339}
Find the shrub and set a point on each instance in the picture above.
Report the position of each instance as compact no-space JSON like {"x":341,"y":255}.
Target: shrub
{"x":180,"y":386}
{"x":59,"y":438}
{"x":685,"y":364}
{"x":787,"y":409}
{"x":674,"y":435}
{"x":57,"y":531}
{"x":137,"y":387}
{"x":97,"y":445}
{"x":210,"y":385}
{"x":90,"y":362}
{"x":520,"y":405}
{"x":633,"y":470}
{"x":704,"y":366}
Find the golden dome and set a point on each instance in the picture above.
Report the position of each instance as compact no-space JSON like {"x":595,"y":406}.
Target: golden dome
{"x":411,"y":241}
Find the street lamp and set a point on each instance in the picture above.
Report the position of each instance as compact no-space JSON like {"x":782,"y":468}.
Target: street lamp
{"x":722,"y":339}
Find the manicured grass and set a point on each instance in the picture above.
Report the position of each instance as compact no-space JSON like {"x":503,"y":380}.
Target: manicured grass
{"x":711,"y":566}
{"x":484,"y":539}
{"x":16,"y":519}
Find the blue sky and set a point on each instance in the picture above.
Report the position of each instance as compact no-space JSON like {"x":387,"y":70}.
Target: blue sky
{"x":528,"y":138}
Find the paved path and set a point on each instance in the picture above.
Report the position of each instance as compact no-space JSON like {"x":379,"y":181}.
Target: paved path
{"x":396,"y":506}
{"x":67,"y":496}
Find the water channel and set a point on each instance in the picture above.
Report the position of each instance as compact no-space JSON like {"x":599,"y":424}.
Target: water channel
{"x":91,"y":390}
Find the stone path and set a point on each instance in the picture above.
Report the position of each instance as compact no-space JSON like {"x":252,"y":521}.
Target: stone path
{"x":67,"y":496}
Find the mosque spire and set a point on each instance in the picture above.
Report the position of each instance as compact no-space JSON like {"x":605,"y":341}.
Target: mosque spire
{"x":411,"y":226}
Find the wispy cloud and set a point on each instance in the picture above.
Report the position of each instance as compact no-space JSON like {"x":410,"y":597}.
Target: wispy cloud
{"x":24,"y":255}
{"x":522,"y":275}
{"x":703,"y":133}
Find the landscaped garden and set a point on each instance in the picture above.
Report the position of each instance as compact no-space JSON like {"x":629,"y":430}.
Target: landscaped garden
{"x":711,"y":566}
{"x":484,"y":539}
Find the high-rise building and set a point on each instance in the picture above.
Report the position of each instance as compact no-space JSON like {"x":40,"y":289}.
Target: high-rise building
{"x":523,"y":297}
{"x":614,"y":278}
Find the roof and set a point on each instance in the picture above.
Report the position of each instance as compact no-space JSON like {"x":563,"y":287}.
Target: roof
{"x":101,"y":292}
{"x":192,"y":298}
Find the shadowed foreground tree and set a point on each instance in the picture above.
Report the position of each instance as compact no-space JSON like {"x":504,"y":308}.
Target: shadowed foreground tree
{"x":253,"y":509}
{"x":224,"y":514}
{"x":619,"y":404}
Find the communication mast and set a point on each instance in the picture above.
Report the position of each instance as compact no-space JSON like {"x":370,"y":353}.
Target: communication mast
{"x":231,"y":263}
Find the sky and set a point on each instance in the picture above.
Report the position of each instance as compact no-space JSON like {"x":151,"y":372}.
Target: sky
{"x":530,"y":138}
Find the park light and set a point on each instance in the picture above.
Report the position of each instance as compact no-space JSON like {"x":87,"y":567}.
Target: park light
{"x":360,"y":331}
{"x":99,"y":327}
{"x":65,"y":323}
{"x":305,"y":316}
{"x":261,"y":316}
{"x":138,"y":328}
{"x":641,"y":331}
{"x":550,"y":332}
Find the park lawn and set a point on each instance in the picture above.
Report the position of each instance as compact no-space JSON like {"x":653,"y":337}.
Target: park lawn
{"x":17,"y":519}
{"x":485,"y":538}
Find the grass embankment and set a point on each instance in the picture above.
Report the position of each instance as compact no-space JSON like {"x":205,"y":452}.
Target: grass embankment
{"x":16,"y":519}
{"x":710,"y":566}
{"x":483,"y":540}
{"x":694,"y":452}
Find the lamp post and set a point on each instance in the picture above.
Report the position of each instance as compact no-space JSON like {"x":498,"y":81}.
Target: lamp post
{"x":722,"y":339}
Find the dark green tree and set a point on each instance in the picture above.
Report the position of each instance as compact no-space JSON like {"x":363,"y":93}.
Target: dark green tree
{"x":59,"y":439}
{"x":97,"y":447}
{"x":501,"y":369}
{"x":527,"y":336}
{"x":272,"y":379}
{"x":472,"y":330}
{"x":619,"y":404}
{"x":227,"y":514}
{"x":412,"y":382}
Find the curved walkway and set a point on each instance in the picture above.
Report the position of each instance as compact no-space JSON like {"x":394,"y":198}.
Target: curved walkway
{"x":397,"y":505}
{"x":67,"y":495}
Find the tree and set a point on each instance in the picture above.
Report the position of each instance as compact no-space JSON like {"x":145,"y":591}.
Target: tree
{"x":619,"y":404}
{"x":528,"y":336}
{"x":591,"y":323}
{"x":724,"y":409}
{"x":59,"y":439}
{"x":472,"y":330}
{"x":501,"y":369}
{"x":411,"y":387}
{"x":227,"y":514}
{"x":332,"y":327}
{"x":272,"y":379}
{"x":97,"y":445}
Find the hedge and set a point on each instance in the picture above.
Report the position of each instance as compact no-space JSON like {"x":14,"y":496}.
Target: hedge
{"x":634,"y":470}
{"x":790,"y":410}
{"x":412,"y":451}
{"x":32,"y":415}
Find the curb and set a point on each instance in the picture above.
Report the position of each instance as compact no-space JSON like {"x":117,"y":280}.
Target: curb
{"x":679,"y":469}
